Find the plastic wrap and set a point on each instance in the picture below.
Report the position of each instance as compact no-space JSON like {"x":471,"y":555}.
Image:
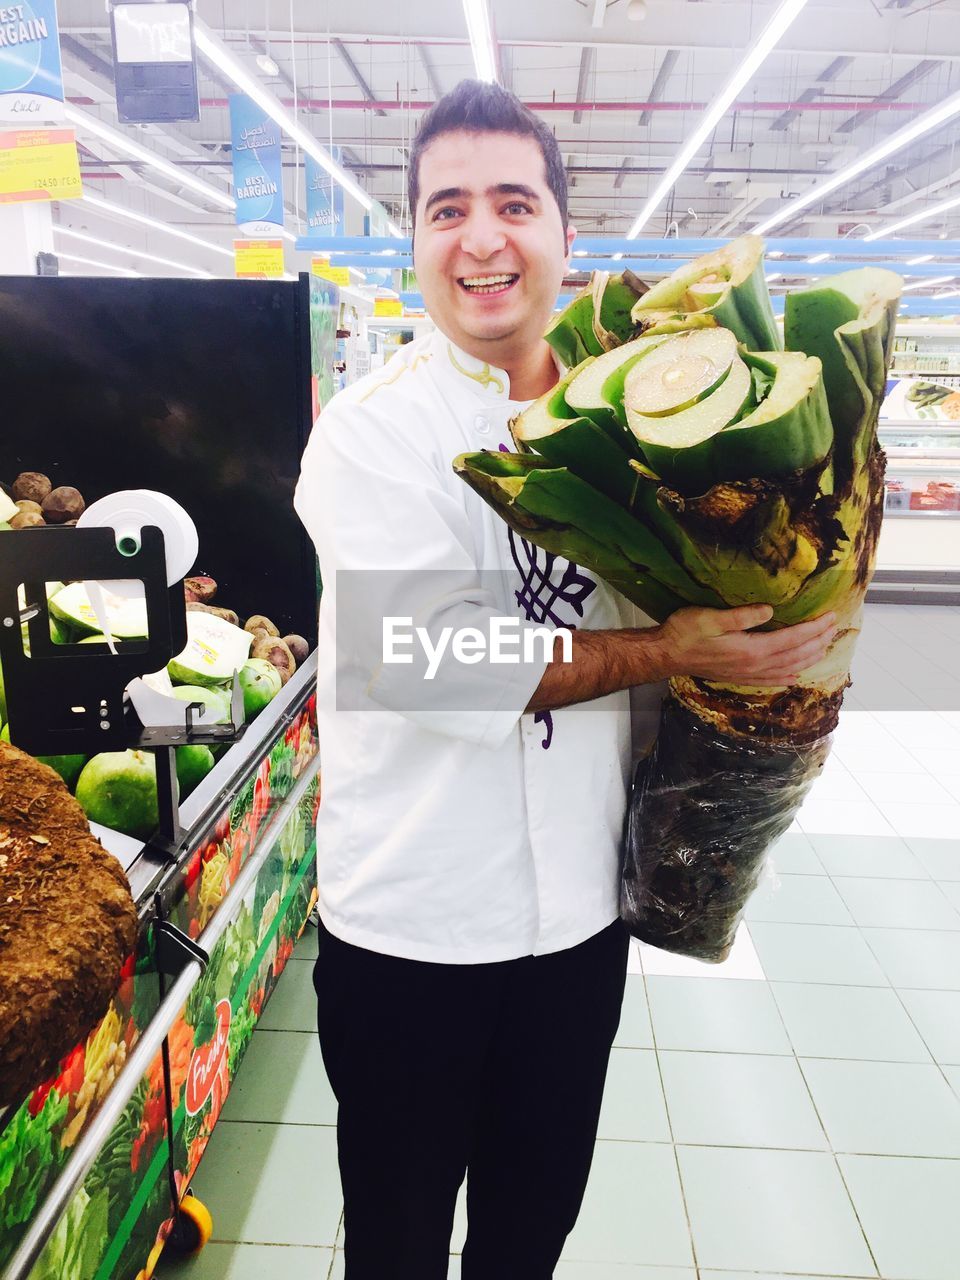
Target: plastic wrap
{"x":704,"y":810}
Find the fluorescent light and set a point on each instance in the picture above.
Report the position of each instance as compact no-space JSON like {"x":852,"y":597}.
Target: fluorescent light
{"x":819,"y":257}
{"x":92,"y":262}
{"x":903,"y":137}
{"x":768,"y":37}
{"x":774,"y":253}
{"x":213,"y":48}
{"x":923,"y":284}
{"x":137,"y":253}
{"x":481,"y":40}
{"x":923,"y":257}
{"x":923,"y":216}
{"x":122,"y":212}
{"x":774,"y":275}
{"x":121,"y":142}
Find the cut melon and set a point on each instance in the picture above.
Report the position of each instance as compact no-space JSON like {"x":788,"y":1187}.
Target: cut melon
{"x":215,"y":650}
{"x":126,"y":617}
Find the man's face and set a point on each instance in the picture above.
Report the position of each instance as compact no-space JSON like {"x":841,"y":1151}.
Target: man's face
{"x":486,"y":214}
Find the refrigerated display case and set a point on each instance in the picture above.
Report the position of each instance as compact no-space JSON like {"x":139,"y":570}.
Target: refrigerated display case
{"x":201,"y":390}
{"x":919,"y":552}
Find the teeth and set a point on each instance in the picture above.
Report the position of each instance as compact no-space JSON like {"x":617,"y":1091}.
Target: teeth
{"x":479,"y":282}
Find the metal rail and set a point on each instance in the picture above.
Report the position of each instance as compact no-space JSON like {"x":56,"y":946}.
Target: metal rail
{"x":95,"y":1135}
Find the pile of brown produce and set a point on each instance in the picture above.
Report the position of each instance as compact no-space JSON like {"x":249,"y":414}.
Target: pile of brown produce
{"x":67,"y":923}
{"x":32,"y":502}
{"x":285,"y":653}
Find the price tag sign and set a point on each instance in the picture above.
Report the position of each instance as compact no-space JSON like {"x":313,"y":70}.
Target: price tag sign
{"x":336,"y":275}
{"x":39,"y":164}
{"x":385,"y":307}
{"x":258,"y":259}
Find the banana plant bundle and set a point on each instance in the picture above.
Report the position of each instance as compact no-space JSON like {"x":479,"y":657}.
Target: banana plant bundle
{"x":687,"y":458}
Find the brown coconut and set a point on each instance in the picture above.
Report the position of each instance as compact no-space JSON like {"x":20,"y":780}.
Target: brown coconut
{"x":194,"y":606}
{"x":33,"y":485}
{"x":67,"y":924}
{"x":199,"y":590}
{"x":63,"y":504}
{"x":275,"y":651}
{"x":257,"y":622}
{"x":298,"y":647}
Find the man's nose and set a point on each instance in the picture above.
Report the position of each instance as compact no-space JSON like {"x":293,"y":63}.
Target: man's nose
{"x":481,"y":237}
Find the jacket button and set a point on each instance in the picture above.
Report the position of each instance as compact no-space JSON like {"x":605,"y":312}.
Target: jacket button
{"x":481,"y":425}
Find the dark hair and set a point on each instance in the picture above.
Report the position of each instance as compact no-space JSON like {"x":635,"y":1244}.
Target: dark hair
{"x":477,"y":107}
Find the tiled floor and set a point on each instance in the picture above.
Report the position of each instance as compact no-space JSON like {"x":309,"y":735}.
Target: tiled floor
{"x":793,"y":1112}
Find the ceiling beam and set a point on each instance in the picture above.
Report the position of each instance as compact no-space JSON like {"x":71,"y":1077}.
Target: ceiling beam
{"x":599,"y":13}
{"x":660,"y":83}
{"x":825,"y":31}
{"x":827,"y":76}
{"x":357,"y":74}
{"x":430,"y":70}
{"x":624,"y":169}
{"x":587,"y":61}
{"x":919,"y":72}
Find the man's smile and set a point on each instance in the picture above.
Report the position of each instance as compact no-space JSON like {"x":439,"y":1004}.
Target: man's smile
{"x":489,"y":284}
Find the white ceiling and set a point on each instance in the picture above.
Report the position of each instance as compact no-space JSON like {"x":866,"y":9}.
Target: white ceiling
{"x":812,"y":106}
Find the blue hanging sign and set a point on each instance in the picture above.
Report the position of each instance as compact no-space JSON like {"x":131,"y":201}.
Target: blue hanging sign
{"x":31,"y":80}
{"x":324,"y":198}
{"x":257,"y":167}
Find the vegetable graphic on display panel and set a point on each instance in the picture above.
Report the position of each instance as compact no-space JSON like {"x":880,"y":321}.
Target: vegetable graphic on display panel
{"x":688,"y":465}
{"x":324,"y":313}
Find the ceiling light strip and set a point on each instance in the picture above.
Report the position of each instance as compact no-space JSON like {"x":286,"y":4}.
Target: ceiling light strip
{"x":213,"y":48}
{"x":92,"y":262}
{"x":925,"y":284}
{"x":766,"y":41}
{"x":121,"y":211}
{"x":129,"y":146}
{"x":70,"y":233}
{"x":924,"y":215}
{"x":481,"y":40}
{"x":932,"y":119}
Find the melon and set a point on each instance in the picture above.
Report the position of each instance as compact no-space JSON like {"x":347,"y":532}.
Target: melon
{"x":215,"y":650}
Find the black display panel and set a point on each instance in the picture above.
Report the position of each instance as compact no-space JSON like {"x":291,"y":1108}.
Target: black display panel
{"x":197,"y":388}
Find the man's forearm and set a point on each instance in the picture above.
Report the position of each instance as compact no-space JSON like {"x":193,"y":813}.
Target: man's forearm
{"x":602,"y":662}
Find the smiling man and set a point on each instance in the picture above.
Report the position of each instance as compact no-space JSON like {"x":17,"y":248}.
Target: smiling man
{"x":471,"y":960}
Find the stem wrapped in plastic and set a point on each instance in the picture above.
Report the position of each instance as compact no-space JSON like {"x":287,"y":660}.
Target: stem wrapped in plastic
{"x":704,"y":810}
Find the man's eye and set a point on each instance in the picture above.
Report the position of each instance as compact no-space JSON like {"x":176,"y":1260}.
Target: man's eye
{"x":445,"y":214}
{"x":517,"y":206}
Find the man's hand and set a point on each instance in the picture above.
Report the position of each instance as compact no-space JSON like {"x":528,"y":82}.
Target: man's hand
{"x":718,"y":644}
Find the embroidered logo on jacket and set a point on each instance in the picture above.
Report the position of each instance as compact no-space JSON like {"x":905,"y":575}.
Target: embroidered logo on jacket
{"x":543,"y":599}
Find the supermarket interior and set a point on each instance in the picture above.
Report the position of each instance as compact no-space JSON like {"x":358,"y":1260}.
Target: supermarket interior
{"x":738,"y":385}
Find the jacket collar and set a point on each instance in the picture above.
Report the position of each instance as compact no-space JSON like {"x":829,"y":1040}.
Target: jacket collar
{"x":486,"y":381}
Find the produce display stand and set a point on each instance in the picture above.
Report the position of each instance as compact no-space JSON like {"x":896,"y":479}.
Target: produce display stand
{"x":89,"y":1164}
{"x":202,"y":390}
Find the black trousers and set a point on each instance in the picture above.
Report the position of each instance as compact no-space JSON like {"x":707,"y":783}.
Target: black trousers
{"x":493,"y":1070}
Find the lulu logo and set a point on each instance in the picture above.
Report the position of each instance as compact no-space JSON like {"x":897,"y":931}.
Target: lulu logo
{"x":207,"y":1062}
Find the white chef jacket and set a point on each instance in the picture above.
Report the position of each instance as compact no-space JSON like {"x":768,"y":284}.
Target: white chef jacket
{"x":480,"y":833}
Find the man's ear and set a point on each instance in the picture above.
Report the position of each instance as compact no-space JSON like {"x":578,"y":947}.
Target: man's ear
{"x":571,"y":236}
